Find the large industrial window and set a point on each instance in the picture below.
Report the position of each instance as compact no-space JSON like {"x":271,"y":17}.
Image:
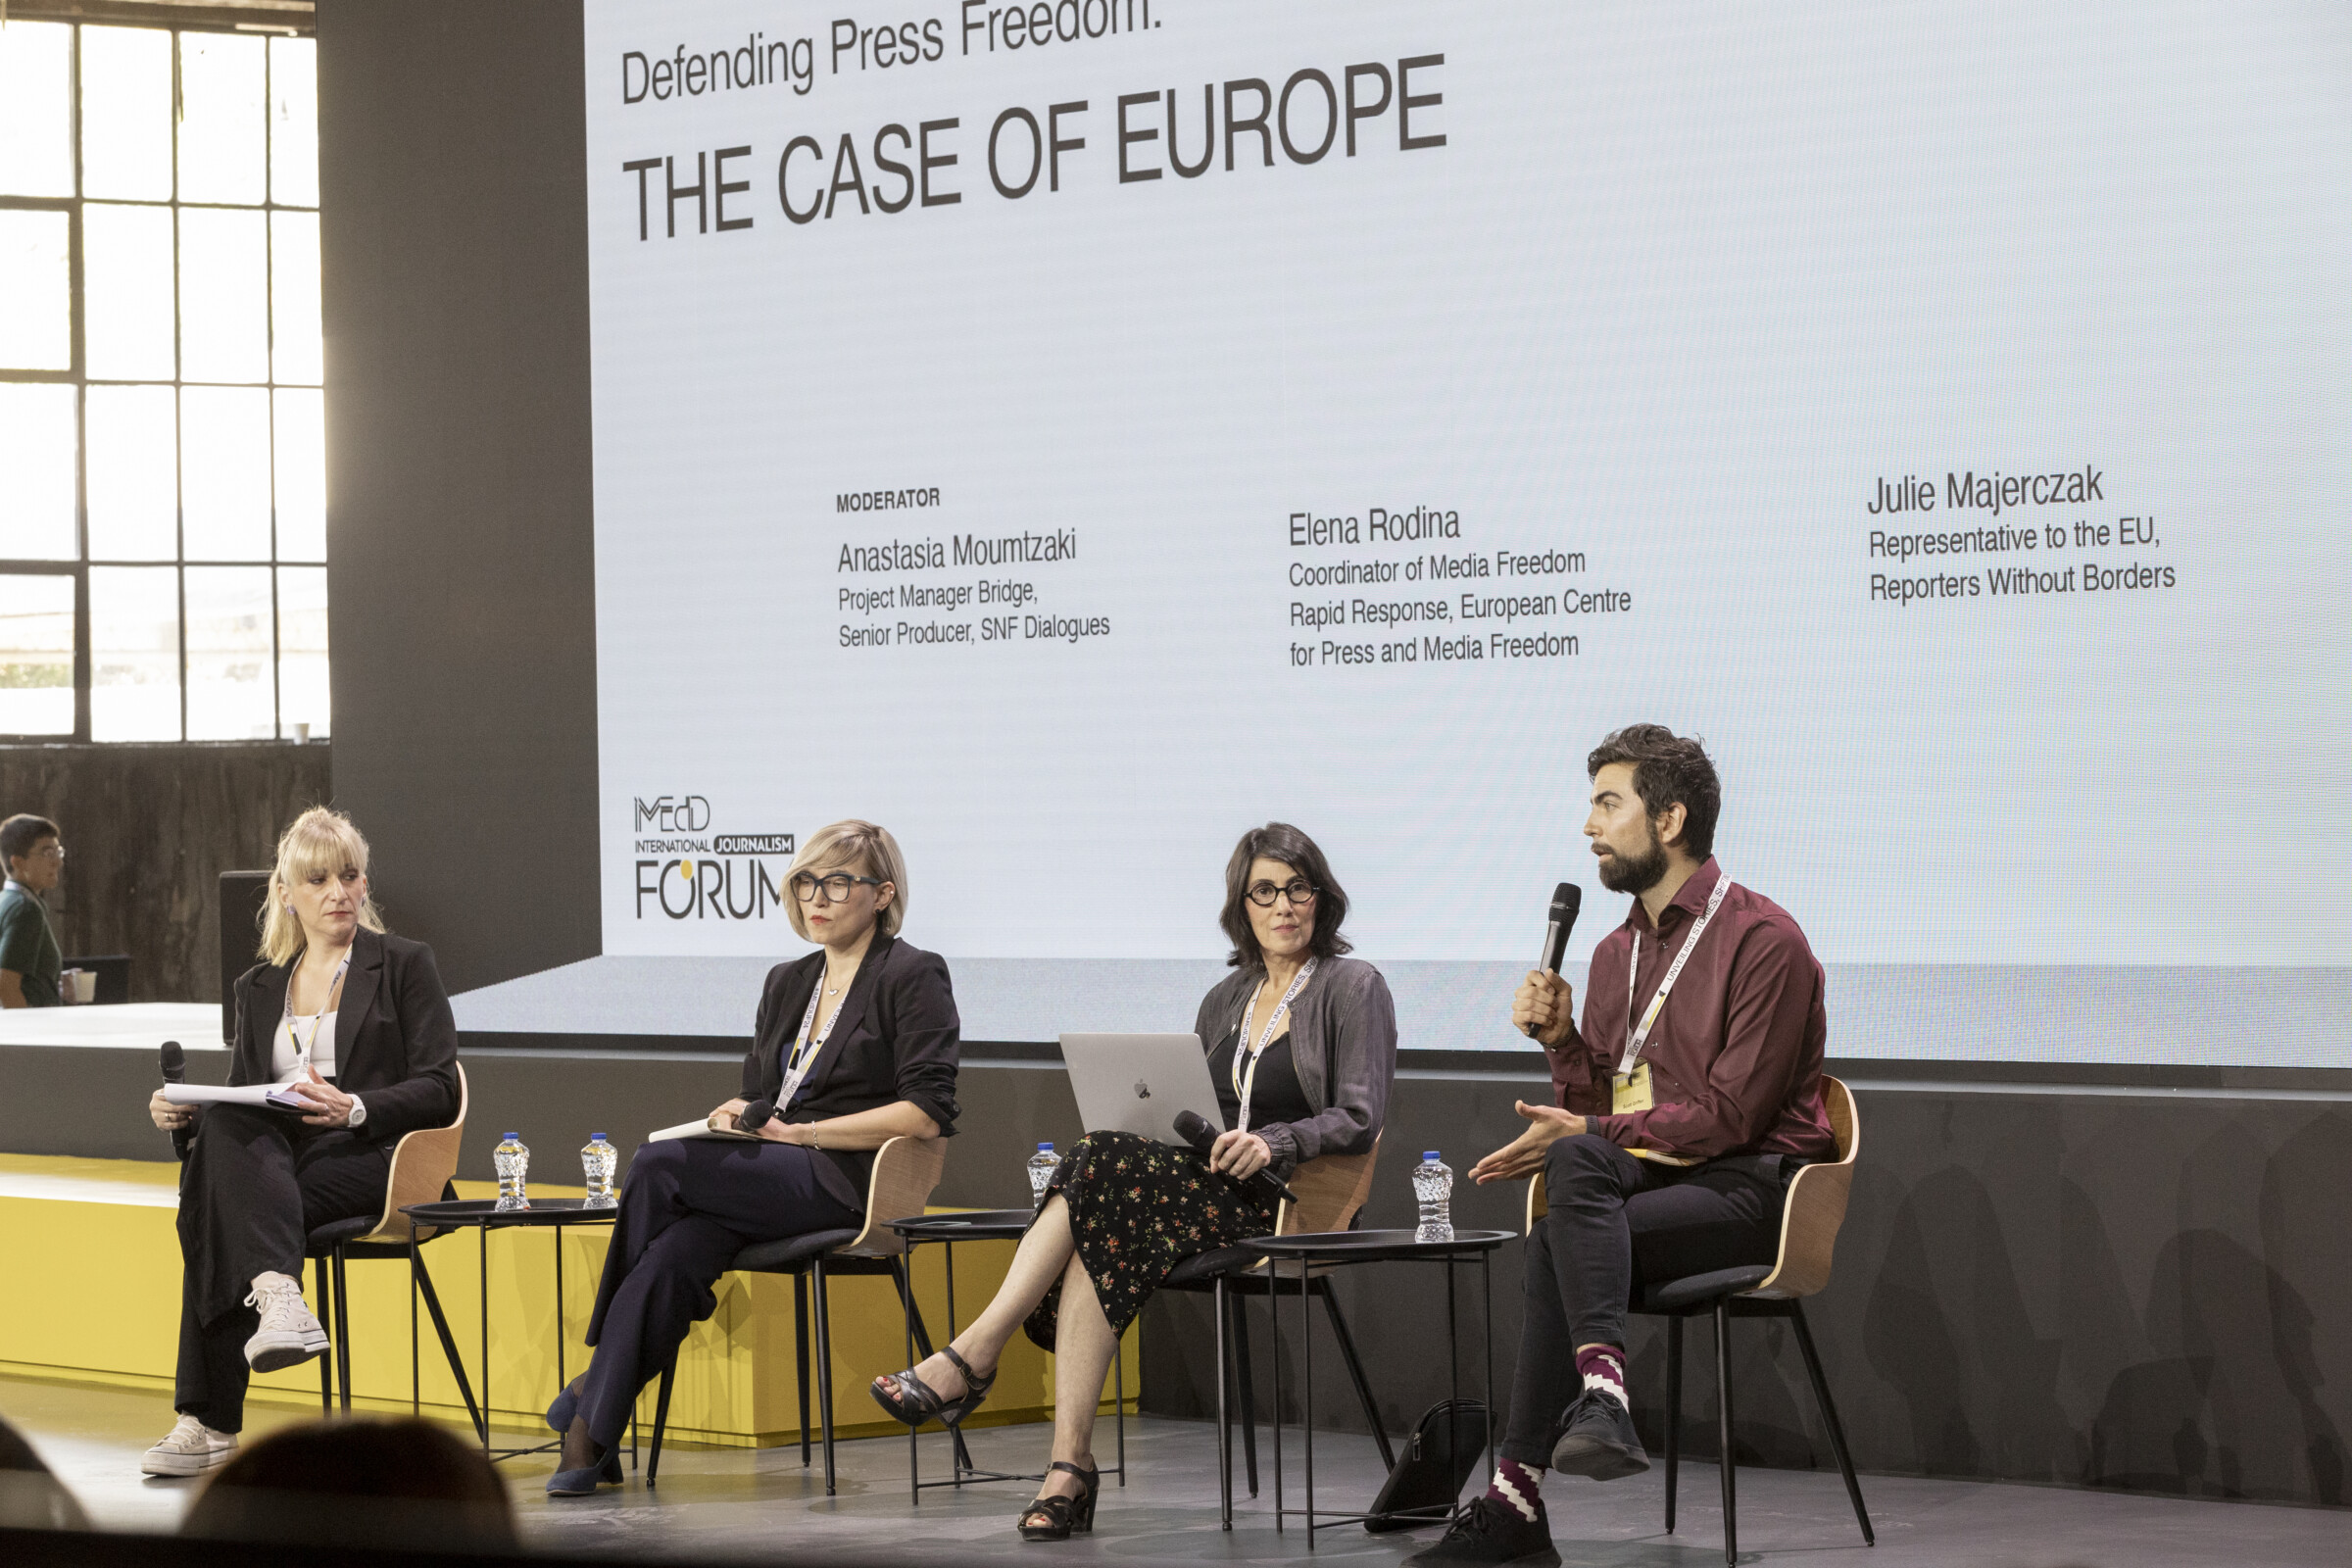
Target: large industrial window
{"x":163,"y":509}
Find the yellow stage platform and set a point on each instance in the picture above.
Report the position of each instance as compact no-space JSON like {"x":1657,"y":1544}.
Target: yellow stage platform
{"x":95,"y":1297}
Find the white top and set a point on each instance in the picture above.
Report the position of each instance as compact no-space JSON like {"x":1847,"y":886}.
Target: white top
{"x":285,"y":1049}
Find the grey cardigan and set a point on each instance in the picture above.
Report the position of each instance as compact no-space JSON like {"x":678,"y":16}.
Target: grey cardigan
{"x":1344,"y":1040}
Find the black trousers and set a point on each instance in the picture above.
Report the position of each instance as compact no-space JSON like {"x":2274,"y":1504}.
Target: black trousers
{"x":1616,"y":1223}
{"x":256,"y":1182}
{"x":687,"y":1206}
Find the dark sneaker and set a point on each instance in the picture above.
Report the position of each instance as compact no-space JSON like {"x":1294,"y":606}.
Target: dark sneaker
{"x":1599,"y":1441}
{"x":1490,"y":1532}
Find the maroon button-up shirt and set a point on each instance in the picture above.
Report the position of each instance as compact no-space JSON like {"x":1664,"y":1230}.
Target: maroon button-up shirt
{"x":1735,"y":1059}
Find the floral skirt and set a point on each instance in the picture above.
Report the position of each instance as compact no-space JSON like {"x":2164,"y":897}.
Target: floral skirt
{"x":1138,"y":1209}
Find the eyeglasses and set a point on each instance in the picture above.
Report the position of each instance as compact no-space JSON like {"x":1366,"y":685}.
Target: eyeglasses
{"x":54,"y":852}
{"x":837,"y":886}
{"x":1298,"y":890}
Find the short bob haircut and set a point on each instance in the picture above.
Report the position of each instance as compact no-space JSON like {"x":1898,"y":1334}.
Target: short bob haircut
{"x":319,"y":841}
{"x":851,"y":845}
{"x":1279,"y":841}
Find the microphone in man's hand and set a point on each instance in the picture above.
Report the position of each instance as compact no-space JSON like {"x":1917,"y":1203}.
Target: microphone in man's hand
{"x":1566,"y":899}
{"x":756,"y":1115}
{"x":175,"y":1070}
{"x":1194,"y":1129}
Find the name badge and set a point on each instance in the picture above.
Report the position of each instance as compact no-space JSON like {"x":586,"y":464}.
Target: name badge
{"x":1630,"y":1092}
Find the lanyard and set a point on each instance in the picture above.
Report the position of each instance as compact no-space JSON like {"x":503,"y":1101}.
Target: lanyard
{"x":1243,"y":1084}
{"x":1637,"y":1038}
{"x":808,"y":1047}
{"x":302,"y":1047}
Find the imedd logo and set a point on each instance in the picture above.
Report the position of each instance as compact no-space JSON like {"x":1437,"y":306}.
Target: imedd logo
{"x":707,"y":876}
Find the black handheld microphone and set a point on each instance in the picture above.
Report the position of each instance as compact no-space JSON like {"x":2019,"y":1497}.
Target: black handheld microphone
{"x":756,"y":1115}
{"x":175,"y":1070}
{"x":1566,"y":900}
{"x":1194,"y":1129}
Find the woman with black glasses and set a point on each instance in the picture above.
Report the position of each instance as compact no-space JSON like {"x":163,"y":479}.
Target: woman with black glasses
{"x":856,"y":1044}
{"x":1301,"y":1046}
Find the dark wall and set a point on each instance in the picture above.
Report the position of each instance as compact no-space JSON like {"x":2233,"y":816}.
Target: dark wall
{"x":148,"y":830}
{"x":462,"y":572}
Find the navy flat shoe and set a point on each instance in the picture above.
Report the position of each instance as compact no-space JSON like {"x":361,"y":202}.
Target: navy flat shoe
{"x":582,"y":1483}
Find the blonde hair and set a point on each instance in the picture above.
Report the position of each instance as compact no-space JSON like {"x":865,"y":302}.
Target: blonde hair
{"x":319,"y":840}
{"x":839,"y":847}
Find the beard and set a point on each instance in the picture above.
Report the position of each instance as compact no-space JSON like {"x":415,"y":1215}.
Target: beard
{"x":1634,"y":874}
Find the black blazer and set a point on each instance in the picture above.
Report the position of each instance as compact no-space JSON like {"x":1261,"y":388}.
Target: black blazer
{"x":898,"y":1038}
{"x":396,"y":1041}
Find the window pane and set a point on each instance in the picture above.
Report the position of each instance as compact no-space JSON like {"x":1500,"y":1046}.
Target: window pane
{"x":133,"y":473}
{"x":302,"y":694}
{"x":36,"y":471}
{"x":294,"y":122}
{"x":222,"y":153}
{"x":134,"y":653}
{"x":225,"y":472}
{"x":294,"y":296}
{"x":127,"y":113}
{"x":224,"y":296}
{"x":127,"y":326}
{"x":36,"y":655}
{"x":37,"y":119}
{"x":36,"y":322}
{"x":233,"y":691}
{"x":301,"y":475}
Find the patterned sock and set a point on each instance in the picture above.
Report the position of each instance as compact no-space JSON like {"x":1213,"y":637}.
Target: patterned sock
{"x":1515,"y":1487}
{"x":1603,"y":1367}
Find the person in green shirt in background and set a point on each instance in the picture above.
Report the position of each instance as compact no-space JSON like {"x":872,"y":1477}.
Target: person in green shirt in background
{"x":31,"y":962}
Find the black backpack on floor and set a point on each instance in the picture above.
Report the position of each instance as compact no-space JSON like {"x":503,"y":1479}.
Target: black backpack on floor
{"x":1446,"y":1445}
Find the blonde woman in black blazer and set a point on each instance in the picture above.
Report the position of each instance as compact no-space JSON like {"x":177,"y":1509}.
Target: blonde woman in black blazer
{"x":356,"y":1021}
{"x":870,"y":1021}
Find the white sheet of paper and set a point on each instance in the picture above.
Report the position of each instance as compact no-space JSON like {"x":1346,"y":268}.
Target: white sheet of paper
{"x":698,"y":1129}
{"x":277,"y":1097}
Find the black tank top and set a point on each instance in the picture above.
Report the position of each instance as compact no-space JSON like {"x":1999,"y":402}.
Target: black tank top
{"x":1276,"y":1096}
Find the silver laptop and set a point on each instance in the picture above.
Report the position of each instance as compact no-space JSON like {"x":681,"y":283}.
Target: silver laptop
{"x":1137,"y":1083}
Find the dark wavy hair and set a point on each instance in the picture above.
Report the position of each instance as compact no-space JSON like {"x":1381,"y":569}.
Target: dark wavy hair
{"x":1279,"y":841}
{"x":1669,"y":769}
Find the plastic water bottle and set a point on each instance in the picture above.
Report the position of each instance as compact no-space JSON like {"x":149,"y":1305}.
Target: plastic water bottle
{"x":513,"y":1162}
{"x":1433,"y":1188}
{"x":598,"y":1160}
{"x":1041,"y":1166}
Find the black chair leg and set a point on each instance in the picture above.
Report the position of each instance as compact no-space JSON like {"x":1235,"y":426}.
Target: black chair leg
{"x":1829,"y":1418}
{"x":800,"y":1345}
{"x":1247,"y":1382}
{"x":1723,"y":1403}
{"x":449,"y":1349}
{"x":341,"y":1348}
{"x":924,"y":1350}
{"x":1355,"y":1374}
{"x":1673,"y":1411}
{"x":653,"y":1460}
{"x":326,"y":1315}
{"x":1224,"y":1415}
{"x":824,"y":1365}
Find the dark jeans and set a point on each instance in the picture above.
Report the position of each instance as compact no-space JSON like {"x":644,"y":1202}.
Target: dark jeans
{"x":687,"y":1207}
{"x":1616,"y":1223}
{"x":256,"y":1182}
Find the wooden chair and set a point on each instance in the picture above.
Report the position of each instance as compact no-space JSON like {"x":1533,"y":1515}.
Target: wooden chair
{"x":1332,"y":1192}
{"x":907,"y":1171}
{"x":423,"y":1164}
{"x":1809,"y":1222}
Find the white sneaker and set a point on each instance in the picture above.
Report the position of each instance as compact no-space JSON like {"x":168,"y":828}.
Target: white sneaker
{"x":290,"y":1334}
{"x":191,"y":1450}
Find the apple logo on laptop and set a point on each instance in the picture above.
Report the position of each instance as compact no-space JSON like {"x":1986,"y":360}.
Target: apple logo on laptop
{"x":1143,"y":1089}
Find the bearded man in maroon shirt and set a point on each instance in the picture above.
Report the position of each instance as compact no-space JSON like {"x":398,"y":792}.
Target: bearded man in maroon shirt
{"x":1686,"y":1102}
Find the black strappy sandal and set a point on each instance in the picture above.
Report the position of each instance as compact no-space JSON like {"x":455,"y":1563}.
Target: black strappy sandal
{"x":1066,"y":1516}
{"x":917,"y":1401}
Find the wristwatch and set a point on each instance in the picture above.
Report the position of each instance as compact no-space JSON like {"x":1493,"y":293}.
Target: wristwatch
{"x":359,"y":1111}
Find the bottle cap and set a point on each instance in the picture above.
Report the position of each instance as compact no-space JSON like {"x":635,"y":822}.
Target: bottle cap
{"x":596,"y":1138}
{"x":1429,"y":1154}
{"x":1044,"y":1148}
{"x":513,"y":1138}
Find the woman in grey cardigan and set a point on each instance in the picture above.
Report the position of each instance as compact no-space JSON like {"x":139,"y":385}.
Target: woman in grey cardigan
{"x":1302,"y":1044}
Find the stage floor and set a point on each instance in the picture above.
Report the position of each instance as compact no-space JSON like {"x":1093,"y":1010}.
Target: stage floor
{"x":734,"y":1503}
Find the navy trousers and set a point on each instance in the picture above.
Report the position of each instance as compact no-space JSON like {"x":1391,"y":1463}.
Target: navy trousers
{"x":687,"y":1207}
{"x":1615,"y":1222}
